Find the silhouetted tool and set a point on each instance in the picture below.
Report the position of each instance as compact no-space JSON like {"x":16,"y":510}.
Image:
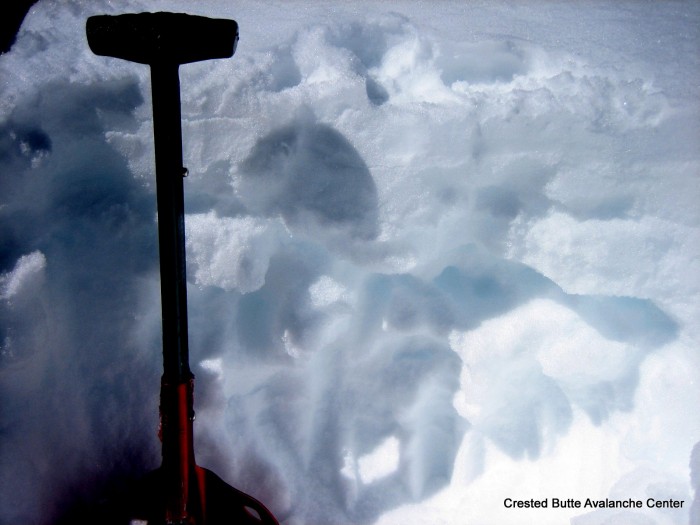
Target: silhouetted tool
{"x":179,"y":492}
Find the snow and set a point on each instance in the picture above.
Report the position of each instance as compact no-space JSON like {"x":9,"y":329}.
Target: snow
{"x":22,"y":275}
{"x":439,"y":255}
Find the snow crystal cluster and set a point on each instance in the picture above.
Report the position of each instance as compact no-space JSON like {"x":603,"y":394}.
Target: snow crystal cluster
{"x":439,"y":255}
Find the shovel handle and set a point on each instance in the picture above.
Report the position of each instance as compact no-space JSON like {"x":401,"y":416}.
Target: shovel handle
{"x":150,"y":38}
{"x":164,"y":41}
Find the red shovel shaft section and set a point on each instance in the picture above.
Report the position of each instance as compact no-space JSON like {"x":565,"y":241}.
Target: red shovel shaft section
{"x":182,"y":502}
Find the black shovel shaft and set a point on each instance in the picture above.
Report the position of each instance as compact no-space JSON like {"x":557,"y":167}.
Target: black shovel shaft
{"x":165,"y":85}
{"x":164,"y":41}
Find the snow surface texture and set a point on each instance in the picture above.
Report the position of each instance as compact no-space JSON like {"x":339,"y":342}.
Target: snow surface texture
{"x":439,"y":254}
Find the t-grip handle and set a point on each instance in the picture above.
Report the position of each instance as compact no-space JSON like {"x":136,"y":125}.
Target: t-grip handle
{"x":151,"y":38}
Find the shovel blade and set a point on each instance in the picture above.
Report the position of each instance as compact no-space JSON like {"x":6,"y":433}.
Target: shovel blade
{"x":213,"y":502}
